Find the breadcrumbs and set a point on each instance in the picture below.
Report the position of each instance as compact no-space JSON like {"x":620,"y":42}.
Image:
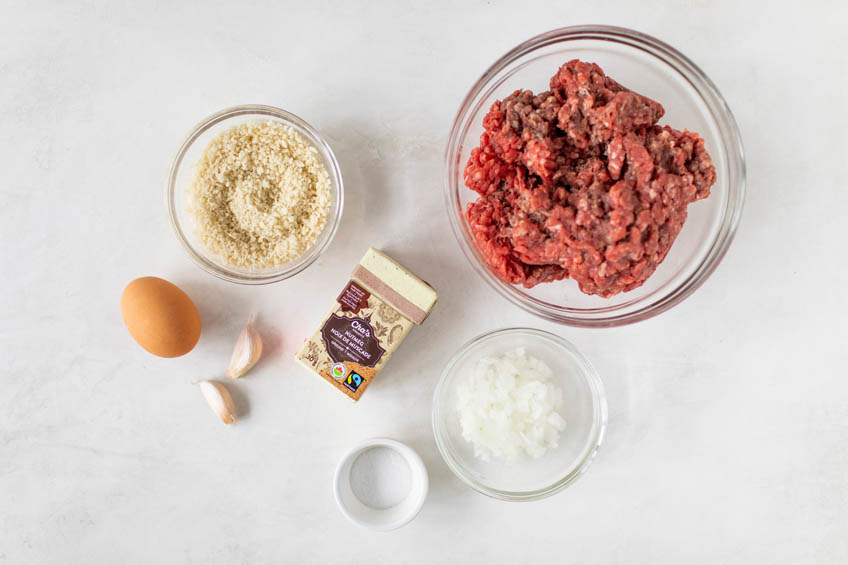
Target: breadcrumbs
{"x":260,"y":196}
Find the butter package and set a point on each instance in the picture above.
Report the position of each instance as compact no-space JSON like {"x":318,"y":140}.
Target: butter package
{"x":368,"y":321}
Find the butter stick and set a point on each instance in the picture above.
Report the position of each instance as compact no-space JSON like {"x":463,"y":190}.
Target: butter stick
{"x":370,"y":318}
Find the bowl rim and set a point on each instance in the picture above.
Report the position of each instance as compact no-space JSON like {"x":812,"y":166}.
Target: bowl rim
{"x":729,"y":137}
{"x":578,"y":469}
{"x":293,"y":267}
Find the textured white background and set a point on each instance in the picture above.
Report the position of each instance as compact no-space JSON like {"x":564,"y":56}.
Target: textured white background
{"x":728,"y":432}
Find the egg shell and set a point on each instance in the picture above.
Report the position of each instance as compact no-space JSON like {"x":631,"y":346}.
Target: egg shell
{"x":160,"y":317}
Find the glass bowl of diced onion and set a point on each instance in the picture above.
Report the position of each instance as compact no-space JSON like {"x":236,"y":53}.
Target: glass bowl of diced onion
{"x":518,"y":469}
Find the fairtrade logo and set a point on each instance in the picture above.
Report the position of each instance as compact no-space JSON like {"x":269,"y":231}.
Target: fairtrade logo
{"x":353,"y":381}
{"x":338,"y":371}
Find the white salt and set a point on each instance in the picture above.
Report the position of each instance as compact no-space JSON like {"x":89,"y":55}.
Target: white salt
{"x":380,"y":477}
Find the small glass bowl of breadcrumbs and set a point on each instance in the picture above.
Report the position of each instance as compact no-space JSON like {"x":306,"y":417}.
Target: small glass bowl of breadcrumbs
{"x":254,"y":194}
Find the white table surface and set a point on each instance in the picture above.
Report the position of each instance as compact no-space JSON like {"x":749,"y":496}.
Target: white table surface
{"x":728,"y":429}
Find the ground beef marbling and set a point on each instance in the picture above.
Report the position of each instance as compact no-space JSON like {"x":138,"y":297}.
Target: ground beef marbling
{"x":579,"y":181}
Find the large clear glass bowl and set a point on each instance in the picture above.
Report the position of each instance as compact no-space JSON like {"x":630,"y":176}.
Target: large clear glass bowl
{"x":649,"y":67}
{"x":176,"y":197}
{"x":584,"y":408}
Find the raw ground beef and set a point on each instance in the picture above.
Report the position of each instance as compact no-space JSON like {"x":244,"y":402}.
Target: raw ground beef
{"x":580,"y":182}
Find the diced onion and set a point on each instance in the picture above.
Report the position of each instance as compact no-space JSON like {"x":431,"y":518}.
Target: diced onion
{"x":508,"y":407}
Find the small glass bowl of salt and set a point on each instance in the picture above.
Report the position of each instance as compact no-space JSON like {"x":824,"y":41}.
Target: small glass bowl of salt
{"x":381,"y":484}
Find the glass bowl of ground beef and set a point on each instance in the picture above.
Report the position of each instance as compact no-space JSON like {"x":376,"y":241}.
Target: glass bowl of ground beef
{"x":594,"y":176}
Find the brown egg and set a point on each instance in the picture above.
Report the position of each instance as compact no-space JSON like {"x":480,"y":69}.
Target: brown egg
{"x":160,"y":317}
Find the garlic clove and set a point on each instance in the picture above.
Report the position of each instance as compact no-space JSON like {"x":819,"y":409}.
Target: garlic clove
{"x":219,"y":400}
{"x":247,"y":351}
